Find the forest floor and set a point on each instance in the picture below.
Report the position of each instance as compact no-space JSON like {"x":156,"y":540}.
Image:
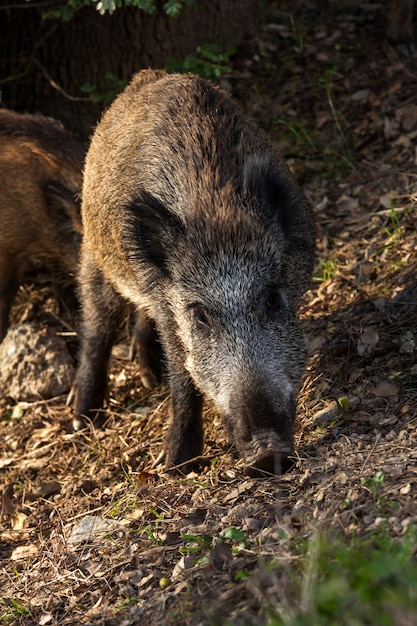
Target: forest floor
{"x":91,"y":534}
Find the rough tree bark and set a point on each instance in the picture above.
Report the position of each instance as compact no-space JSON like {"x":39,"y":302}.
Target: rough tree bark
{"x":43,"y":63}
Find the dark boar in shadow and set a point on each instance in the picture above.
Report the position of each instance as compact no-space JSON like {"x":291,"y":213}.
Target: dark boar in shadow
{"x":191,"y":215}
{"x":40,"y":182}
{"x":400,"y":25}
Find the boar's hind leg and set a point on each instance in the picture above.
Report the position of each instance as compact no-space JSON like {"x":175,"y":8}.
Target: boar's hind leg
{"x":67,"y":299}
{"x":145,"y":344}
{"x":9,"y":284}
{"x":102,"y":308}
{"x":184,"y":441}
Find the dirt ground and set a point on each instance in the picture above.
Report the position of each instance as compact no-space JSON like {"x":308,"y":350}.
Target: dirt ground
{"x":341,"y":104}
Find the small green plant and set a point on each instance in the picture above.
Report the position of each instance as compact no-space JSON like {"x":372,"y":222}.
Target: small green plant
{"x":126,"y":475}
{"x":325,"y":159}
{"x":238,"y":538}
{"x":115,"y":86}
{"x":235,"y":534}
{"x":174,"y":7}
{"x":209,"y":61}
{"x":66,"y":11}
{"x":171,"y":7}
{"x":300,"y":132}
{"x":196,"y":548}
{"x":69,"y":7}
{"x":395,"y":222}
{"x":117,"y":508}
{"x":152,"y":530}
{"x":343,"y":405}
{"x":325,"y":270}
{"x":11,"y":611}
{"x":125,"y":503}
{"x":297,"y":34}
{"x":326,"y":81}
{"x":152,"y":535}
{"x":109,"y":6}
{"x":195,"y":544}
{"x":126,"y":603}
{"x":374,"y":484}
{"x":368,"y":581}
{"x":15,"y":413}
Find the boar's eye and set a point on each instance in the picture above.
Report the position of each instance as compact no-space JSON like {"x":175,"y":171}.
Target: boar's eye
{"x":273,"y":300}
{"x":201,"y":318}
{"x":274,"y":303}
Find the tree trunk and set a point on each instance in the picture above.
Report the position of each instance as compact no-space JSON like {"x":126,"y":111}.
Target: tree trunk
{"x":44,"y":63}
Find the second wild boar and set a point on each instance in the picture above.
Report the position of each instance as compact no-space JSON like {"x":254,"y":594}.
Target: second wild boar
{"x":40,"y":182}
{"x":190,"y":214}
{"x":400,"y":25}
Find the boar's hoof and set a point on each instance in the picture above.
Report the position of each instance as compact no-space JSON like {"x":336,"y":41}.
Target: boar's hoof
{"x":181,"y":464}
{"x":182,"y":469}
{"x":79,"y":422}
{"x":148,"y":379}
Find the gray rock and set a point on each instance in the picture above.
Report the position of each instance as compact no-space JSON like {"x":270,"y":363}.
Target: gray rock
{"x":34,"y":364}
{"x":91,"y":527}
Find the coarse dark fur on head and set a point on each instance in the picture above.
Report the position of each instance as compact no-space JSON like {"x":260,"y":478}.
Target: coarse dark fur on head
{"x":40,"y":177}
{"x":190,"y":214}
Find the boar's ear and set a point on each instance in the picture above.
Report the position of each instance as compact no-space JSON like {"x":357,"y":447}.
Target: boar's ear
{"x":64,"y":207}
{"x":272,"y":190}
{"x":151,"y":231}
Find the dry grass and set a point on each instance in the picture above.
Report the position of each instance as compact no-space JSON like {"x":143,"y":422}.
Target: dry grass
{"x":355,"y":470}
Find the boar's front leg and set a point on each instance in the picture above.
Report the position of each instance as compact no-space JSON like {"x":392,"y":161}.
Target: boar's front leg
{"x":145,"y":345}
{"x":102,"y":307}
{"x":184,"y":441}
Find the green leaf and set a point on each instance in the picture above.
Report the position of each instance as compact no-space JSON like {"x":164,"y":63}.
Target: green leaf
{"x":235,"y":534}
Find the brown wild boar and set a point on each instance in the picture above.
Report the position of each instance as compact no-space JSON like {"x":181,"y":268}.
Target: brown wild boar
{"x":190,"y":214}
{"x":40,"y":181}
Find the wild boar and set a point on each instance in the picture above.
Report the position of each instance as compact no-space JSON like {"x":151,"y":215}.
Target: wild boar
{"x":400,"y":25}
{"x":40,"y":181}
{"x":190,"y":214}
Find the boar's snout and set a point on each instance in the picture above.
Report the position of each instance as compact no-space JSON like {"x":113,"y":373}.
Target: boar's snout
{"x":266,"y":452}
{"x":260,"y":425}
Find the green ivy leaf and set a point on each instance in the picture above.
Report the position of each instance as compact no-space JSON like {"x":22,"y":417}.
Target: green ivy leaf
{"x":235,"y":534}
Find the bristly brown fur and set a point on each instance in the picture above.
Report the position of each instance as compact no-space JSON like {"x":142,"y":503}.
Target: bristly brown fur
{"x":40,"y":176}
{"x":190,"y":214}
